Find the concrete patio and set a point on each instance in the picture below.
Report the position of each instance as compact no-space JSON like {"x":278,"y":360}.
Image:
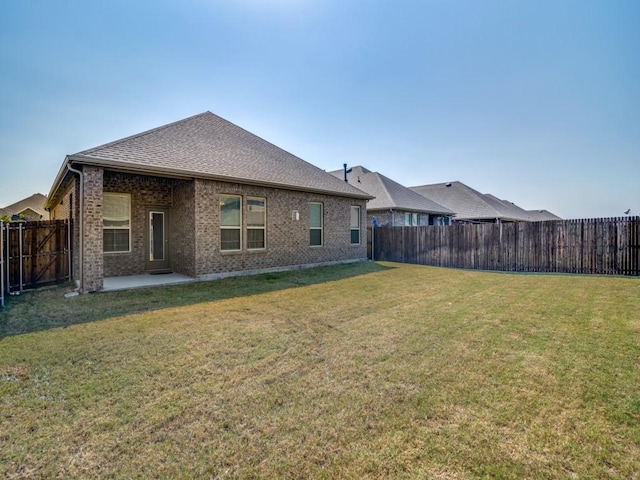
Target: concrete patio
{"x":142,"y":281}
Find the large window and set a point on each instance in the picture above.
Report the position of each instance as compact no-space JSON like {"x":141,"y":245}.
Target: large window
{"x":315,"y":224}
{"x":116,"y":222}
{"x":256,"y":223}
{"x":230,"y":222}
{"x":355,"y":225}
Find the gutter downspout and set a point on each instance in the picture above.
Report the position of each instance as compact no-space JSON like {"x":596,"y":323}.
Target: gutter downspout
{"x":81,"y":226}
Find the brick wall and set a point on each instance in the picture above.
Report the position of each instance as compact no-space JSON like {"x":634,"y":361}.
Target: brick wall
{"x":194,"y":227}
{"x":93,"y":268}
{"x":287,"y":240}
{"x":182,"y":235}
{"x":146,"y":192}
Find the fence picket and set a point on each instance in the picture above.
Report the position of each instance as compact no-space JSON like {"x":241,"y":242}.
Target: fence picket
{"x":590,"y":246}
{"x":34,"y":254}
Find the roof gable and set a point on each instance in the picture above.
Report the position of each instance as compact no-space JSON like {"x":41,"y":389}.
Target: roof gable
{"x":207,"y":146}
{"x":388,"y":193}
{"x":35,"y":203}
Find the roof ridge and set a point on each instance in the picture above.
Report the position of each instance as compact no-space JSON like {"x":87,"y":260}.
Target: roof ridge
{"x":142,"y":134}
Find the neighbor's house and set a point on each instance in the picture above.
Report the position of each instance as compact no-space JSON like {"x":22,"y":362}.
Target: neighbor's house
{"x":30,"y":208}
{"x":394,"y":205}
{"x":204,"y":198}
{"x":472,"y":206}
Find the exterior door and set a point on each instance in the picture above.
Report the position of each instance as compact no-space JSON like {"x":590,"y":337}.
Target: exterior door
{"x":157,"y":250}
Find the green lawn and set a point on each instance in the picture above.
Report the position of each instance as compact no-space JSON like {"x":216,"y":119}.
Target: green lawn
{"x":370,"y":370}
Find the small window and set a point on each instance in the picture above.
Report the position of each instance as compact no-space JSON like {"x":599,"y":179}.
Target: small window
{"x":256,"y":223}
{"x":230,"y":222}
{"x":116,"y":222}
{"x":410,"y":219}
{"x":355,"y":225}
{"x":315,"y":224}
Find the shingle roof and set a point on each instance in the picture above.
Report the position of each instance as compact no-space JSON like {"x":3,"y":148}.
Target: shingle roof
{"x":469,"y":204}
{"x":208,"y":146}
{"x":35,"y":202}
{"x":542,"y":215}
{"x":388,"y":193}
{"x":509,"y":209}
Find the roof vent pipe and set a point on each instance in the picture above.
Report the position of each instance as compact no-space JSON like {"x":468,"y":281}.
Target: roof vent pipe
{"x":344,"y":165}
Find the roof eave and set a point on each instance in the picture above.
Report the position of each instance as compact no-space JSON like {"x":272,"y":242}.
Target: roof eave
{"x":57,"y":183}
{"x":174,"y":173}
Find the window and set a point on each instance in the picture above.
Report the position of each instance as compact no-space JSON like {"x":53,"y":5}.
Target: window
{"x":256,"y":223}
{"x":315,"y":224}
{"x":230,"y":222}
{"x":355,"y":225}
{"x":410,"y":219}
{"x":116,"y":222}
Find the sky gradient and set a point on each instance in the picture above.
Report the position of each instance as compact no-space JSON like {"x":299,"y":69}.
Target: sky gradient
{"x":537,"y":102}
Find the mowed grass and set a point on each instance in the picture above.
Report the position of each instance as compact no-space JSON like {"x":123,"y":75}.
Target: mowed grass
{"x":360,"y":371}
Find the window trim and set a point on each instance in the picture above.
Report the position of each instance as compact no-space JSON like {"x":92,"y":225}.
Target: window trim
{"x":251,"y":227}
{"x":358,"y":228}
{"x":226,"y":227}
{"x":320,"y":228}
{"x":127,"y":228}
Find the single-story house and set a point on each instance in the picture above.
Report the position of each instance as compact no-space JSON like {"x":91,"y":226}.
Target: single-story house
{"x":204,"y":198}
{"x":472,"y":206}
{"x":30,"y":208}
{"x":394,"y":205}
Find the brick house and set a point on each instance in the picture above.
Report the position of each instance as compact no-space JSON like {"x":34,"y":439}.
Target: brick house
{"x":394,"y":205}
{"x":204,"y":198}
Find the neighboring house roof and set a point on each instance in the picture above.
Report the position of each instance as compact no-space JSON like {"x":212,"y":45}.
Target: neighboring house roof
{"x":35,"y":203}
{"x":531,"y":215}
{"x":510,"y":208}
{"x":208,"y":146}
{"x":542,"y":215}
{"x":389,"y":194}
{"x":469,"y":204}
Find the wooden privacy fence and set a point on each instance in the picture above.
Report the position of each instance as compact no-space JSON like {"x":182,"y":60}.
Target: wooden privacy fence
{"x":34,"y":254}
{"x":609,"y":246}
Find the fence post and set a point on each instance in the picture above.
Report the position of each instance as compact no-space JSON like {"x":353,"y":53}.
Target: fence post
{"x":69,"y":248}
{"x":20,"y":254}
{"x":373,"y":244}
{"x":8,"y":261}
{"x":1,"y":263}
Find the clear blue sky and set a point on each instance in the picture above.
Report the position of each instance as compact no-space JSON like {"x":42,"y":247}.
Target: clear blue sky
{"x":537,"y":102}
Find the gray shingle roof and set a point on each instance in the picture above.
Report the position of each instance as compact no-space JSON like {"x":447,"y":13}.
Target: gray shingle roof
{"x":509,"y":209}
{"x":469,"y":204}
{"x":207,"y":146}
{"x":388,"y":193}
{"x":542,"y":215}
{"x":35,"y":202}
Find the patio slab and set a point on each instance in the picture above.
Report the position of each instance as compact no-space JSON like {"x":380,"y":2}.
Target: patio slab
{"x":142,"y":281}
